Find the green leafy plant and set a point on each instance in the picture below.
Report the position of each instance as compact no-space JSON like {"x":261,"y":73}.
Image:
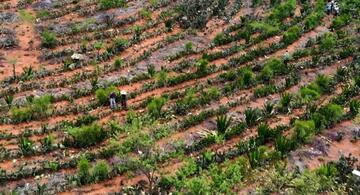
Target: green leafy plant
{"x":223,"y":123}
{"x":47,"y":142}
{"x":285,"y":101}
{"x":354,"y":107}
{"x":151,"y":70}
{"x":291,"y":35}
{"x":303,"y":130}
{"x":101,"y":171}
{"x":26,"y":146}
{"x":85,"y":135}
{"x":252,"y":116}
{"x":155,"y":105}
{"x":327,"y":42}
{"x":9,"y":99}
{"x":117,"y":64}
{"x":107,"y":4}
{"x":332,"y":113}
{"x":83,"y":175}
{"x":48,"y":39}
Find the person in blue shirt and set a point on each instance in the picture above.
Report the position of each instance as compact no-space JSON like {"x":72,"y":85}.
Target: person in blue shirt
{"x":112,"y":100}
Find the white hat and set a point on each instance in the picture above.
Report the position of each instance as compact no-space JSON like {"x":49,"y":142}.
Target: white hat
{"x":123,"y":92}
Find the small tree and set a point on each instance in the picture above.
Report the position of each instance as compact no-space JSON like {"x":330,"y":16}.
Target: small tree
{"x":223,"y":123}
{"x":147,"y":163}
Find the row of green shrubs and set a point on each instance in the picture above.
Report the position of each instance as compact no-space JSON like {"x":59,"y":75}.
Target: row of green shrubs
{"x":34,"y":108}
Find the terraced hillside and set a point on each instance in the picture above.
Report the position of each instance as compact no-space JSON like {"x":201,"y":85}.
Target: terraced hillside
{"x":223,"y":97}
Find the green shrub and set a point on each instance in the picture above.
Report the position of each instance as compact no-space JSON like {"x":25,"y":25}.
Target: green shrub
{"x":309,"y":94}
{"x":48,"y":39}
{"x":212,"y":93}
{"x":283,"y":11}
{"x":354,"y":107}
{"x":83,"y":174}
{"x":327,"y":42}
{"x":324,"y":83}
{"x":107,"y":4}
{"x":102,"y":95}
{"x":246,"y":77}
{"x":264,"y":90}
{"x":155,"y":105}
{"x":221,"y":39}
{"x":340,"y":21}
{"x":120,"y":44}
{"x":85,"y":135}
{"x":252,"y":116}
{"x":26,"y":146}
{"x":47,"y":142}
{"x":117,"y":64}
{"x":272,"y":67}
{"x":266,"y":74}
{"x":264,"y":28}
{"x":285,"y":102}
{"x":312,"y":21}
{"x":291,"y":35}
{"x":202,"y":66}
{"x":304,"y":130}
{"x":319,"y":121}
{"x":100,"y":171}
{"x":223,"y":123}
{"x":264,"y":132}
{"x":161,"y":78}
{"x":276,"y":65}
{"x":21,"y":114}
{"x":284,"y":145}
{"x":145,"y":13}
{"x":332,"y":113}
{"x":33,"y":109}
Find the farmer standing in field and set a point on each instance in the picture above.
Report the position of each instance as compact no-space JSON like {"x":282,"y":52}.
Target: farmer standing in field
{"x":112,"y":100}
{"x":123,"y":99}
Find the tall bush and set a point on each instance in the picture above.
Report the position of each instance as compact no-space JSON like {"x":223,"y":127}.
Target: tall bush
{"x":85,"y":135}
